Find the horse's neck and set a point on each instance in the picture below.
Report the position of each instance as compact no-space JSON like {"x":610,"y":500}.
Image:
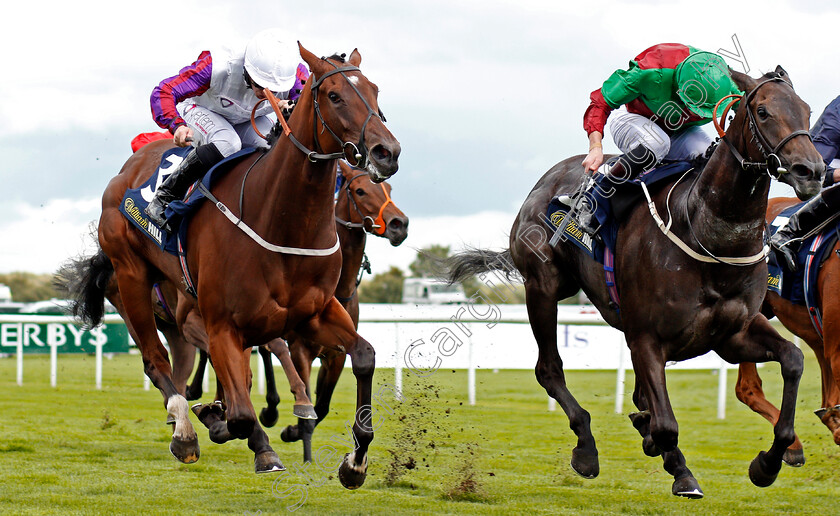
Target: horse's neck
{"x":295,"y":195}
{"x":352,"y":253}
{"x":728,"y":202}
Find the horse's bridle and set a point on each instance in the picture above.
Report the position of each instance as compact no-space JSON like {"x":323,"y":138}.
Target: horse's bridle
{"x":758,"y":137}
{"x":360,"y":151}
{"x":375,"y":226}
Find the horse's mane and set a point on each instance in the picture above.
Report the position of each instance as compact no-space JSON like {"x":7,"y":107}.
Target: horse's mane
{"x":341,"y":58}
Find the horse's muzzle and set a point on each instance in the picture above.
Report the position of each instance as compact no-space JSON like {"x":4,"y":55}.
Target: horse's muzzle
{"x":385,"y":159}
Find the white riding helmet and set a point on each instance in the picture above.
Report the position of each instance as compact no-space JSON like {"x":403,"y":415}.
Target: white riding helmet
{"x":271,"y":60}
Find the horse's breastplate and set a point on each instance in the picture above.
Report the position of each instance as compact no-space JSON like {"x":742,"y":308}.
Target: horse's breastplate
{"x":228,"y":94}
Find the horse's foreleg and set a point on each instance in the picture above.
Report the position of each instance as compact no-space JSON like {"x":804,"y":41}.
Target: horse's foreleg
{"x":760,"y":342}
{"x":334,"y":329}
{"x":303,"y":404}
{"x":749,"y":392}
{"x":302,"y":354}
{"x":542,"y":314}
{"x":674,"y":462}
{"x":134,"y":285}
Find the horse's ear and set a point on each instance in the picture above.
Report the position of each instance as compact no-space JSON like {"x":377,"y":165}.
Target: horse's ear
{"x":311,"y":60}
{"x":744,"y":82}
{"x":355,"y":57}
{"x":781,"y":72}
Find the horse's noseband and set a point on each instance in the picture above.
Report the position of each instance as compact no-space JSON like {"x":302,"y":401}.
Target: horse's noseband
{"x":369,"y":224}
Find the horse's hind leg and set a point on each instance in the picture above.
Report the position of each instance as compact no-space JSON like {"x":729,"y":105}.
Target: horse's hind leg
{"x":541,"y":299}
{"x":749,"y":392}
{"x":269,"y":414}
{"x":830,"y":365}
{"x":183,"y":357}
{"x":134,"y":285}
{"x":674,"y":462}
{"x":760,"y":342}
{"x":194,"y":389}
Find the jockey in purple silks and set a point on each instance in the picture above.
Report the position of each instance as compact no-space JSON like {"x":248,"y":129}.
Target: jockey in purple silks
{"x":208,"y":105}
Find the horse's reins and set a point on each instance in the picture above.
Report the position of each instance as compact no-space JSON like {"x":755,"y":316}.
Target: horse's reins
{"x":360,"y":155}
{"x":762,"y":144}
{"x":360,"y":152}
{"x":758,"y":137}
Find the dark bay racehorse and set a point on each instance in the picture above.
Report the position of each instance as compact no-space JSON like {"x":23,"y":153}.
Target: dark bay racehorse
{"x":362,"y":207}
{"x":250,"y":291}
{"x":675,"y":306}
{"x":826,"y":346}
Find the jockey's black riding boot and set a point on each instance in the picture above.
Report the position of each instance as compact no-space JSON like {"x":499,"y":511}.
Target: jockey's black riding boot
{"x":809,"y":217}
{"x":626,"y":168}
{"x":190,"y":170}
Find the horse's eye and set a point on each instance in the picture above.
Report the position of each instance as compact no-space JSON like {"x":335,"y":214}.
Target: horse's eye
{"x":762,"y":111}
{"x":334,"y":97}
{"x":360,"y":192}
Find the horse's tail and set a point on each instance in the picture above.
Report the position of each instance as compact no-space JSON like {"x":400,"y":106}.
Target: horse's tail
{"x":469,"y":263}
{"x":84,"y":280}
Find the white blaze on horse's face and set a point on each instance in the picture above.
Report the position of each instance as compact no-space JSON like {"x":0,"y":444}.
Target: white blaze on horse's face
{"x":353,"y":80}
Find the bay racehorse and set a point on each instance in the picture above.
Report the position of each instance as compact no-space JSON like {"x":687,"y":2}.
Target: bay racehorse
{"x":362,"y":207}
{"x":272,"y":272}
{"x":826,"y":346}
{"x":675,"y":304}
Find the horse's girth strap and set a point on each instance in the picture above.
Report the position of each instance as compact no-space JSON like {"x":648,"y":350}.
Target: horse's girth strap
{"x":666,"y":230}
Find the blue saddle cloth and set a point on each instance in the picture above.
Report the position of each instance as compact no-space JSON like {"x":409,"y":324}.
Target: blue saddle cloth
{"x":800,"y":286}
{"x":625,"y":194}
{"x":135,"y":201}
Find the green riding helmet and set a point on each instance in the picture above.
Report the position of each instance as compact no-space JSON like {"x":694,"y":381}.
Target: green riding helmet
{"x":703,"y":79}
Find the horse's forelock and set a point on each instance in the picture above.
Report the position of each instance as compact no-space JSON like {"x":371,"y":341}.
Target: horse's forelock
{"x":341,"y":58}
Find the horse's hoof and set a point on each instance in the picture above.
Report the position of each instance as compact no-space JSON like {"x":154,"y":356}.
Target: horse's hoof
{"x":208,"y":413}
{"x":761,"y":475}
{"x":351,"y":476}
{"x":186,"y":451}
{"x":585,"y":464}
{"x":794,"y":458}
{"x":650,"y":448}
{"x":290,"y":434}
{"x":193,"y":395}
{"x":305,"y":412}
{"x":269,"y":417}
{"x":687,"y":487}
{"x":267,"y":462}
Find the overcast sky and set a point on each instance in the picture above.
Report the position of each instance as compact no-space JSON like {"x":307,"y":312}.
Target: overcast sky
{"x":484,"y":96}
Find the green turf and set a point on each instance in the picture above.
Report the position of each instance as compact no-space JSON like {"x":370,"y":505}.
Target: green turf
{"x":76,"y":450}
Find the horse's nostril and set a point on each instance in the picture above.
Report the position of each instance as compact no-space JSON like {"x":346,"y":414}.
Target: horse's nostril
{"x":381,"y":152}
